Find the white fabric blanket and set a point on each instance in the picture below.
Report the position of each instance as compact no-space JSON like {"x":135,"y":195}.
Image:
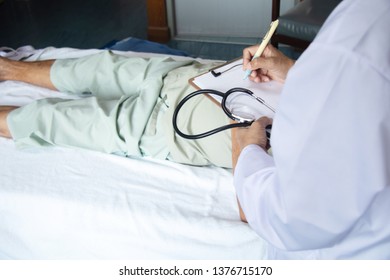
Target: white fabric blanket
{"x":58,"y":203}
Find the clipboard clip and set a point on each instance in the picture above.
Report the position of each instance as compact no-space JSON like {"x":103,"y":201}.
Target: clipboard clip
{"x":217,"y":74}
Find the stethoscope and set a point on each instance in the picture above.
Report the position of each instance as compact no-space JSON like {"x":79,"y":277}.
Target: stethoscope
{"x":241,"y":121}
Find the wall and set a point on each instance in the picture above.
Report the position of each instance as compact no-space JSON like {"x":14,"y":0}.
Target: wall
{"x":221,"y":18}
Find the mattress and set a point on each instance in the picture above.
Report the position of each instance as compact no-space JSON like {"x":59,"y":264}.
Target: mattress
{"x":63,"y":203}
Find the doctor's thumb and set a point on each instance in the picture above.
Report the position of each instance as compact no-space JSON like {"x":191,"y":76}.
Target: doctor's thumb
{"x":264,"y":121}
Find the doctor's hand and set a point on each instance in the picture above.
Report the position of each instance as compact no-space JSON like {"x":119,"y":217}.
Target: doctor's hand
{"x":254,"y":134}
{"x":271,"y":65}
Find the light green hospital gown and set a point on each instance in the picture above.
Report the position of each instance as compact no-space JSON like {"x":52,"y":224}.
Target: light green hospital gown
{"x":126,"y":109}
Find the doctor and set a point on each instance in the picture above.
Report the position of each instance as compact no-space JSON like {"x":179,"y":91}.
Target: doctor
{"x":325,"y":192}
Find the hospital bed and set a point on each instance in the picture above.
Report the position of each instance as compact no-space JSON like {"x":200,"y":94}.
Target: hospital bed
{"x":61,"y":203}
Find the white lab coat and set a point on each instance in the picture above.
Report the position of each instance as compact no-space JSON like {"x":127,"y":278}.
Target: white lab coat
{"x":325,"y":193}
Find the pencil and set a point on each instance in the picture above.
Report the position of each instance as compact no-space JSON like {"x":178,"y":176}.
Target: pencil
{"x":263,"y":44}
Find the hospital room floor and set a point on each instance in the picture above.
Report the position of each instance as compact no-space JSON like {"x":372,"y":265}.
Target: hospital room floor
{"x":91,"y":24}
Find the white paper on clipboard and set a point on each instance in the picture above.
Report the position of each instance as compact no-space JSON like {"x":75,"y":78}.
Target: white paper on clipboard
{"x":234,"y":77}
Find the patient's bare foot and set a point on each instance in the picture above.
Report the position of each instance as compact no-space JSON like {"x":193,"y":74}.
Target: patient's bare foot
{"x":10,"y":69}
{"x":2,"y":68}
{"x":36,"y":72}
{"x":4,"y":130}
{"x":6,"y":67}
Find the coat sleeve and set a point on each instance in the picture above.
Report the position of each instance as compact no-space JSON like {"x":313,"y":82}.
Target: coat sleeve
{"x":330,"y":156}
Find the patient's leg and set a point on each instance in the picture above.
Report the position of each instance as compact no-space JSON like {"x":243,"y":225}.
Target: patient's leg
{"x":4,"y":130}
{"x":36,"y":72}
{"x":103,"y":74}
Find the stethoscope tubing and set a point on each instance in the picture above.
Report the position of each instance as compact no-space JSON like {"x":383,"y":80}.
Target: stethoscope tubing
{"x":241,"y":123}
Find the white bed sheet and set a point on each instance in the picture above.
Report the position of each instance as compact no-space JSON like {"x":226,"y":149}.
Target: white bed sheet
{"x":58,"y":203}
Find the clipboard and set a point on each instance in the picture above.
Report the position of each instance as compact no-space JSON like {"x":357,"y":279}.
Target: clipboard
{"x":215,"y":71}
{"x":231,"y":75}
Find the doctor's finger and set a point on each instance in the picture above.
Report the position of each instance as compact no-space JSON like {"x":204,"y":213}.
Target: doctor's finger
{"x":248,"y":54}
{"x":264,"y":122}
{"x":262,"y":63}
{"x":260,"y":76}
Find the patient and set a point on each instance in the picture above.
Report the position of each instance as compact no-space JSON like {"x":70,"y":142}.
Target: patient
{"x":126,"y":107}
